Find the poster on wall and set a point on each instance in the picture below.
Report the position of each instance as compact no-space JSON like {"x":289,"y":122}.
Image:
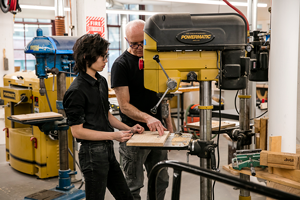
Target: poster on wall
{"x":95,"y":25}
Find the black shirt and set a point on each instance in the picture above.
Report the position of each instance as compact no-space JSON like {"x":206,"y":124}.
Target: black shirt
{"x":125,"y":72}
{"x":86,"y":102}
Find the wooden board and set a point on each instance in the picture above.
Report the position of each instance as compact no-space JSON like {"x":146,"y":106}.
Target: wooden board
{"x":292,"y":174}
{"x":269,"y":177}
{"x":148,"y":138}
{"x":275,"y":143}
{"x":215,"y":125}
{"x":263,"y":133}
{"x":282,"y":188}
{"x":33,"y":116}
{"x":280,"y":160}
{"x":227,"y":168}
{"x":257,"y":125}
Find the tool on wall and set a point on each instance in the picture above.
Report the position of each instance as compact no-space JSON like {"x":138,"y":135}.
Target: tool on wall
{"x":5,"y":61}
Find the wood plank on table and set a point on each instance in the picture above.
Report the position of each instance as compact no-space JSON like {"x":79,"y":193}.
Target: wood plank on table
{"x":263,"y":174}
{"x":215,"y":125}
{"x":32,"y":116}
{"x":148,"y":138}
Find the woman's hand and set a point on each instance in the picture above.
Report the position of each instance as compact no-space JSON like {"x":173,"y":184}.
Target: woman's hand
{"x":137,"y":129}
{"x":122,"y":136}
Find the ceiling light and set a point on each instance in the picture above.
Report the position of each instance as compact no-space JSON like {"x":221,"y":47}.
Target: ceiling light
{"x":215,"y":2}
{"x":131,"y":12}
{"x":40,"y":7}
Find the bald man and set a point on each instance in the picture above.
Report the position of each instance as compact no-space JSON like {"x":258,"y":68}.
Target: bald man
{"x":135,"y":103}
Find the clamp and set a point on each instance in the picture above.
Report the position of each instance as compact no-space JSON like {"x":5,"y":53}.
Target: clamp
{"x":247,"y":158}
{"x":203,"y":149}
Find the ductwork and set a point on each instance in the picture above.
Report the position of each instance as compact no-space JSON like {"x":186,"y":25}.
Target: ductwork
{"x":111,"y":4}
{"x":59,"y":17}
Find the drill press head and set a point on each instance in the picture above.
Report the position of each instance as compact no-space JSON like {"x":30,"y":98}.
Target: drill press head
{"x":208,"y":45}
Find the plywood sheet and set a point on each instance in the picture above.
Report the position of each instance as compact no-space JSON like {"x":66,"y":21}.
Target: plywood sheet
{"x":215,"y":125}
{"x":32,"y":116}
{"x":148,"y":138}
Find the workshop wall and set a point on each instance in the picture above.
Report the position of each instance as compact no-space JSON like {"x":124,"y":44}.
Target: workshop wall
{"x":6,"y":42}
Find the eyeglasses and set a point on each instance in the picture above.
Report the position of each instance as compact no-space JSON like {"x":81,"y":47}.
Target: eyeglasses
{"x":105,"y":56}
{"x":135,"y":45}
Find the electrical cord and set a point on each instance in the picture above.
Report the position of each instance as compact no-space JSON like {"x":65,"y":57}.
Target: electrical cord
{"x":82,"y":181}
{"x":235,"y":102}
{"x":238,"y":111}
{"x":218,"y":139}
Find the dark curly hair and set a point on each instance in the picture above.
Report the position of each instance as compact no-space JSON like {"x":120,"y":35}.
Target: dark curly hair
{"x":87,"y":50}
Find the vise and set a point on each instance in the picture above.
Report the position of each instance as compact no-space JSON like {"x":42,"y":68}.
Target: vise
{"x":247,"y":158}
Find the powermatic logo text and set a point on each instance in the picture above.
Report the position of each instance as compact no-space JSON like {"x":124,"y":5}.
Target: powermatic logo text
{"x":9,"y":94}
{"x":195,"y":37}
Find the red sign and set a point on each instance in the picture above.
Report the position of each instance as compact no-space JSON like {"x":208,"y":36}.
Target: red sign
{"x":95,"y":25}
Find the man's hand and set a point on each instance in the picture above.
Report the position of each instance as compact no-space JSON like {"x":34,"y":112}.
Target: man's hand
{"x":122,"y":136}
{"x":154,"y":124}
{"x":137,"y":129}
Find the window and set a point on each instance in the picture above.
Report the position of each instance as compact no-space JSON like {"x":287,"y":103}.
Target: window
{"x":24,"y":32}
{"x":114,"y":32}
{"x":114,"y":38}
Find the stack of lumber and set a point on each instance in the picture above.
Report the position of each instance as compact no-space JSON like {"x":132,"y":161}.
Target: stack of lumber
{"x":283,"y":169}
{"x":285,"y":165}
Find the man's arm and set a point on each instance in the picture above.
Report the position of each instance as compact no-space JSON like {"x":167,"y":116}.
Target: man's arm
{"x":87,"y":134}
{"x":131,"y":111}
{"x":121,"y":126}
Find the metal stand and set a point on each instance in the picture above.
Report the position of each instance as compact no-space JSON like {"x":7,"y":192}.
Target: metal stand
{"x":64,"y":190}
{"x":244,"y":127}
{"x":205,"y":135}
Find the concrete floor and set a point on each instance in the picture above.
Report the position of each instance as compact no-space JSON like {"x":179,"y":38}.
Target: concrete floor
{"x":15,"y":185}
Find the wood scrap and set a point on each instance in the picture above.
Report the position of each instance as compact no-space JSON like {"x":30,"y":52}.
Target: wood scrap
{"x":148,"y":138}
{"x":280,"y":160}
{"x":33,"y":116}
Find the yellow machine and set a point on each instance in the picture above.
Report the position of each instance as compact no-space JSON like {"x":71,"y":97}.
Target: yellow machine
{"x":193,"y":48}
{"x":27,"y":148}
{"x":201,"y":47}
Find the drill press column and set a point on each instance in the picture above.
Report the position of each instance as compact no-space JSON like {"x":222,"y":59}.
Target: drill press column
{"x":62,"y":134}
{"x":205,"y":135}
{"x":245,"y":126}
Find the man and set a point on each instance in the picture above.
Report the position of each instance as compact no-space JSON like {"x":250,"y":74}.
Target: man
{"x":87,"y":109}
{"x":135,"y":103}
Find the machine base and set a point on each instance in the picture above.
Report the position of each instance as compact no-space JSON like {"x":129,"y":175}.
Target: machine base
{"x":57,"y":194}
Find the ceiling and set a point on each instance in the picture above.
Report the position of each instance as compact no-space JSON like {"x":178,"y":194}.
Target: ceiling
{"x":169,"y":2}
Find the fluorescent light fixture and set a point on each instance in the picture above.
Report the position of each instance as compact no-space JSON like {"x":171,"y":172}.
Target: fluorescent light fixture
{"x":40,"y":7}
{"x":131,"y":12}
{"x":215,"y":2}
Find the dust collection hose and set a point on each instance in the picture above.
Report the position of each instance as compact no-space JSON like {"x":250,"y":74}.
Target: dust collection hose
{"x":238,"y":11}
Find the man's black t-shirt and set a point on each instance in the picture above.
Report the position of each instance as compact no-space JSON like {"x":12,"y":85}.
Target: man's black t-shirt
{"x":125,"y":72}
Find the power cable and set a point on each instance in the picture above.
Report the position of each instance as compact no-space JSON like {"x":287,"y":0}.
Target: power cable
{"x":82,"y":182}
{"x":218,"y":138}
{"x":238,"y":111}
